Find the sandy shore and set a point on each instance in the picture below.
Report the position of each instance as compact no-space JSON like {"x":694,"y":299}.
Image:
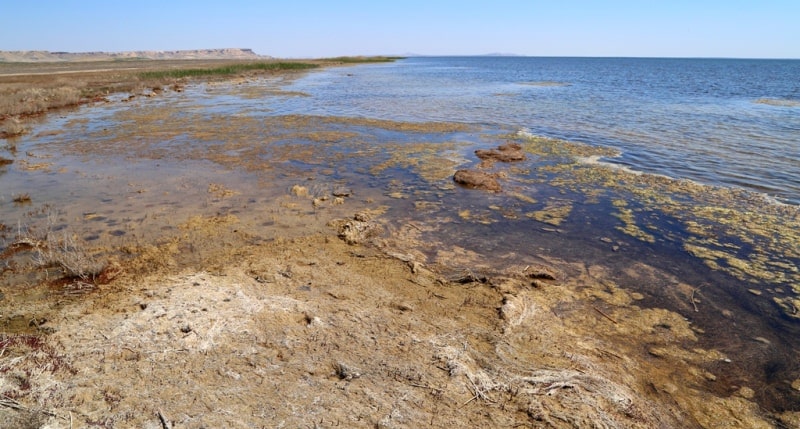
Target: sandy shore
{"x":350,"y":318}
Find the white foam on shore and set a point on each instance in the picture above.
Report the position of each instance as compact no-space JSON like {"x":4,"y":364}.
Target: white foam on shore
{"x":597,"y":160}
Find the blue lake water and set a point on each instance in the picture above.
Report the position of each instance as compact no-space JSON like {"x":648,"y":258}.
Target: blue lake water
{"x":722,"y":122}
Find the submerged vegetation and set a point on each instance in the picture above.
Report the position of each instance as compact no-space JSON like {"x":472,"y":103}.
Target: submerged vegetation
{"x":730,"y":230}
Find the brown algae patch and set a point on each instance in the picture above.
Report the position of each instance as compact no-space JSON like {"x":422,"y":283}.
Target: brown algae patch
{"x":433,"y":162}
{"x":778,"y":102}
{"x":181,"y":132}
{"x":220,"y":191}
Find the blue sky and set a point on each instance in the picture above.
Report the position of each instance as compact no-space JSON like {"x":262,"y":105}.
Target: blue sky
{"x":316,"y":28}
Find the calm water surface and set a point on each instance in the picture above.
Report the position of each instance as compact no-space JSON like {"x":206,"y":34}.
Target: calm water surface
{"x":716,"y":121}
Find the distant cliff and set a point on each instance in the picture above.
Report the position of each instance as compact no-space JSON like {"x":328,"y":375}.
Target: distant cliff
{"x":195,"y":54}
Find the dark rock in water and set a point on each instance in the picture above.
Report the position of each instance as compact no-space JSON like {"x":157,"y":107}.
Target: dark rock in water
{"x":508,"y":152}
{"x":477,"y":180}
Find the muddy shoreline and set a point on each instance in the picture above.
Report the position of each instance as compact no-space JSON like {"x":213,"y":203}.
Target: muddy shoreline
{"x":289,"y":271}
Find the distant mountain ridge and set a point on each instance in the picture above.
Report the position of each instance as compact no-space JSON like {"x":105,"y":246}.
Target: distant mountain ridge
{"x":193,"y":54}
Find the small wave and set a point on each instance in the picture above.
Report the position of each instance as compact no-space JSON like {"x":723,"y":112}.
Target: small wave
{"x":599,"y":161}
{"x":778,"y":102}
{"x":767,"y":198}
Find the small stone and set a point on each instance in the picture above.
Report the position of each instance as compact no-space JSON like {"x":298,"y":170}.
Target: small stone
{"x":362,"y":217}
{"x":762,"y":340}
{"x":477,"y":180}
{"x":186,"y":329}
{"x":299,"y":191}
{"x":345,"y":372}
{"x":342,"y":192}
{"x":746,"y":392}
{"x":606,"y":240}
{"x":755,"y":292}
{"x":403,"y":307}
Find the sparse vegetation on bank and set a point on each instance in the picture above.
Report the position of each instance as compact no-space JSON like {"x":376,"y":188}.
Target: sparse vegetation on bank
{"x":27,"y":90}
{"x":30,"y":90}
{"x":12,"y":127}
{"x":25,"y":101}
{"x":226,"y":70}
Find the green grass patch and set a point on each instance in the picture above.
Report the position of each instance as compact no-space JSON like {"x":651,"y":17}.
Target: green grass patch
{"x":225,"y":70}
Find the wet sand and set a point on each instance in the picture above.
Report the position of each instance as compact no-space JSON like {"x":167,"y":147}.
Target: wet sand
{"x":299,"y":270}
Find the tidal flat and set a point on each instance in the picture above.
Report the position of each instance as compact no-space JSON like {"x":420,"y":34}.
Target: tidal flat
{"x":199,"y":255}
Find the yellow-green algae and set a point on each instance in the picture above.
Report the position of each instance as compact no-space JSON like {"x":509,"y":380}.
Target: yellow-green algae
{"x":719,"y":222}
{"x":554,"y":213}
{"x":629,"y":223}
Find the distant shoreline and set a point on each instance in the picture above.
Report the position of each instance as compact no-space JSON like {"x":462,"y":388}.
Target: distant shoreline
{"x":192,"y":54}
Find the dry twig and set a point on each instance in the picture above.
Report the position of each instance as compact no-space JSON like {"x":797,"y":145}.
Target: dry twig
{"x":164,"y":422}
{"x":604,"y":315}
{"x":694,"y":303}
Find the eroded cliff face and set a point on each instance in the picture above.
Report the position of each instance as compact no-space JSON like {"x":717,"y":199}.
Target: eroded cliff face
{"x":203,"y":54}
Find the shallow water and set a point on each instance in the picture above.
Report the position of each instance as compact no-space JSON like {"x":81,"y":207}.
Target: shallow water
{"x":124,"y":173}
{"x":716,"y":121}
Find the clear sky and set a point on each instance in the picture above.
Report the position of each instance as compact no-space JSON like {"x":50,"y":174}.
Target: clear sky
{"x":317,"y":28}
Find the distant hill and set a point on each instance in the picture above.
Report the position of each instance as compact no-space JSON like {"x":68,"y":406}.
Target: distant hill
{"x":195,"y":54}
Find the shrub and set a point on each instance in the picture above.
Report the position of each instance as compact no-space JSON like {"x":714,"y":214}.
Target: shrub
{"x":12,"y":127}
{"x":66,"y":254}
{"x":27,"y":101}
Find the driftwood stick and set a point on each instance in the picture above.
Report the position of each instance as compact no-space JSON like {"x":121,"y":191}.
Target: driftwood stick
{"x":694,"y":303}
{"x":164,"y":422}
{"x":604,"y":315}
